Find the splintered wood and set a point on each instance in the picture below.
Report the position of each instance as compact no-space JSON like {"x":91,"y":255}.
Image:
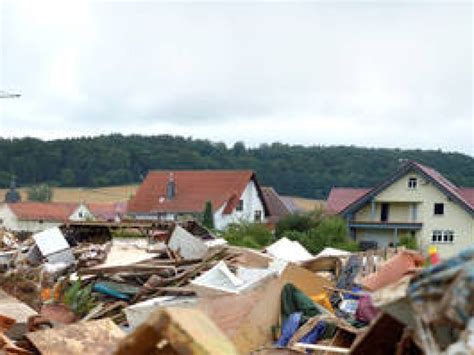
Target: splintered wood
{"x":177,"y":331}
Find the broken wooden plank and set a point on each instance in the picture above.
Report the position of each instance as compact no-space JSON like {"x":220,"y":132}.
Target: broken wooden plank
{"x":8,"y":347}
{"x":177,"y":331}
{"x":333,"y":349}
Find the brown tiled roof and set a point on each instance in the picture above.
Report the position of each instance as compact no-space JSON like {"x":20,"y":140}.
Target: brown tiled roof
{"x":193,"y":189}
{"x":276,"y":206}
{"x":43,"y":211}
{"x":341,"y":197}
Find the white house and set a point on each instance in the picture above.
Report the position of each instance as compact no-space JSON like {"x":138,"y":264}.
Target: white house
{"x":235,"y":196}
{"x":416,"y":202}
{"x":38,"y":216}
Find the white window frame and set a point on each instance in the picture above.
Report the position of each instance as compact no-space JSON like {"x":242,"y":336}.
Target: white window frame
{"x":412,"y":183}
{"x":442,"y":237}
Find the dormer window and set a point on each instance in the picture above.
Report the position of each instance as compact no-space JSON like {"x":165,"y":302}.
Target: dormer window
{"x":412,"y":183}
{"x":240,"y":206}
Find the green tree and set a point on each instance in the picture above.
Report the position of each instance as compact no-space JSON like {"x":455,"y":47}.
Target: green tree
{"x":208,"y":217}
{"x":68,"y":177}
{"x":40,"y":193}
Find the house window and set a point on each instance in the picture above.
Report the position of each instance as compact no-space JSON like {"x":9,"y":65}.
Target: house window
{"x":258,"y":216}
{"x":439,"y":209}
{"x":442,"y":237}
{"x":240,"y":206}
{"x":384,"y":212}
{"x":437,"y":236}
{"x":448,"y":237}
{"x":80,"y":214}
{"x":412,"y":183}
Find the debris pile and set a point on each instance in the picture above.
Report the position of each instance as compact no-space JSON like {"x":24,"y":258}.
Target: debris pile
{"x":176,"y":288}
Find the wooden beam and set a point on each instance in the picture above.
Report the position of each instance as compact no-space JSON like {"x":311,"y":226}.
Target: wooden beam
{"x":334,"y":349}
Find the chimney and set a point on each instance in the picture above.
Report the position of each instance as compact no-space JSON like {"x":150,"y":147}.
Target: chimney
{"x":171,"y":187}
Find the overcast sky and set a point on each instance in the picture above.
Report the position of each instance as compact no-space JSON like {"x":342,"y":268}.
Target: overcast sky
{"x":373,"y":74}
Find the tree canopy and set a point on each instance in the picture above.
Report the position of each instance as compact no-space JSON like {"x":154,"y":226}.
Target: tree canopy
{"x":290,"y":169}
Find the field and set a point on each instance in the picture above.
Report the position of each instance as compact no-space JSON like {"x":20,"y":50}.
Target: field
{"x":112,"y":194}
{"x":308,"y":205}
{"x":77,"y":194}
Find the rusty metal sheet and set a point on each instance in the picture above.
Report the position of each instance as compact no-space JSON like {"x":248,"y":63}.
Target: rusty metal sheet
{"x":95,"y":337}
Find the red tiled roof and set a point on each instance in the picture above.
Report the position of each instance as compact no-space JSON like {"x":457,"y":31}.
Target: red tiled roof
{"x":193,"y":189}
{"x":467,"y":193}
{"x":44,"y":211}
{"x":445,"y":183}
{"x":341,"y":197}
{"x":107,"y":211}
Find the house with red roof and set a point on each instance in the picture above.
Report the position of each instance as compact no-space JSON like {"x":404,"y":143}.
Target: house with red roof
{"x":38,"y":216}
{"x":235,"y":196}
{"x":415,"y":201}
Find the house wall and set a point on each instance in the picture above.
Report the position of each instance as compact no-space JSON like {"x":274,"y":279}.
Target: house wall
{"x":10,"y":222}
{"x":398,"y":212}
{"x":426,"y":194}
{"x":81,"y":213}
{"x":252,"y":203}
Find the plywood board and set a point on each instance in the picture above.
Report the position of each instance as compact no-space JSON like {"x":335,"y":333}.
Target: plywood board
{"x":95,"y":337}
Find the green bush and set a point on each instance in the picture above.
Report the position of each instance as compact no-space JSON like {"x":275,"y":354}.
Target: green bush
{"x":408,"y":242}
{"x":330,"y":232}
{"x":299,"y":222}
{"x":251,"y":235}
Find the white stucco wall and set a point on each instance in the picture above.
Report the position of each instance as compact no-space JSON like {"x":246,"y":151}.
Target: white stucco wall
{"x":11,"y":222}
{"x":252,"y":203}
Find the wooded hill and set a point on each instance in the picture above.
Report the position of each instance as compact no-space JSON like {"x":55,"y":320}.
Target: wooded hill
{"x":291,"y":169}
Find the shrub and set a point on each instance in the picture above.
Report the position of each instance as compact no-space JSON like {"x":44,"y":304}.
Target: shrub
{"x":330,"y":232}
{"x":408,"y":242}
{"x":299,"y":222}
{"x":251,"y":235}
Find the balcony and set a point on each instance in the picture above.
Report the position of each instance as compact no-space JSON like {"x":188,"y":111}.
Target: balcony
{"x":386,"y":225}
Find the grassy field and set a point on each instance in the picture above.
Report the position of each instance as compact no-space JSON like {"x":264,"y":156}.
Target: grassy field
{"x":76,"y":194}
{"x":112,"y":194}
{"x":308,"y":205}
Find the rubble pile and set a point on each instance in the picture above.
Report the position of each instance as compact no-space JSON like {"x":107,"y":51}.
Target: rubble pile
{"x":176,"y":288}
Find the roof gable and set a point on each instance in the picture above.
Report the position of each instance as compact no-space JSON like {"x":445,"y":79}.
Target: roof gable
{"x":193,"y":188}
{"x":276,"y":206}
{"x":430,"y":174}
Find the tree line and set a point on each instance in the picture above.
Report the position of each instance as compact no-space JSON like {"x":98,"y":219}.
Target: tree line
{"x":308,"y":171}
